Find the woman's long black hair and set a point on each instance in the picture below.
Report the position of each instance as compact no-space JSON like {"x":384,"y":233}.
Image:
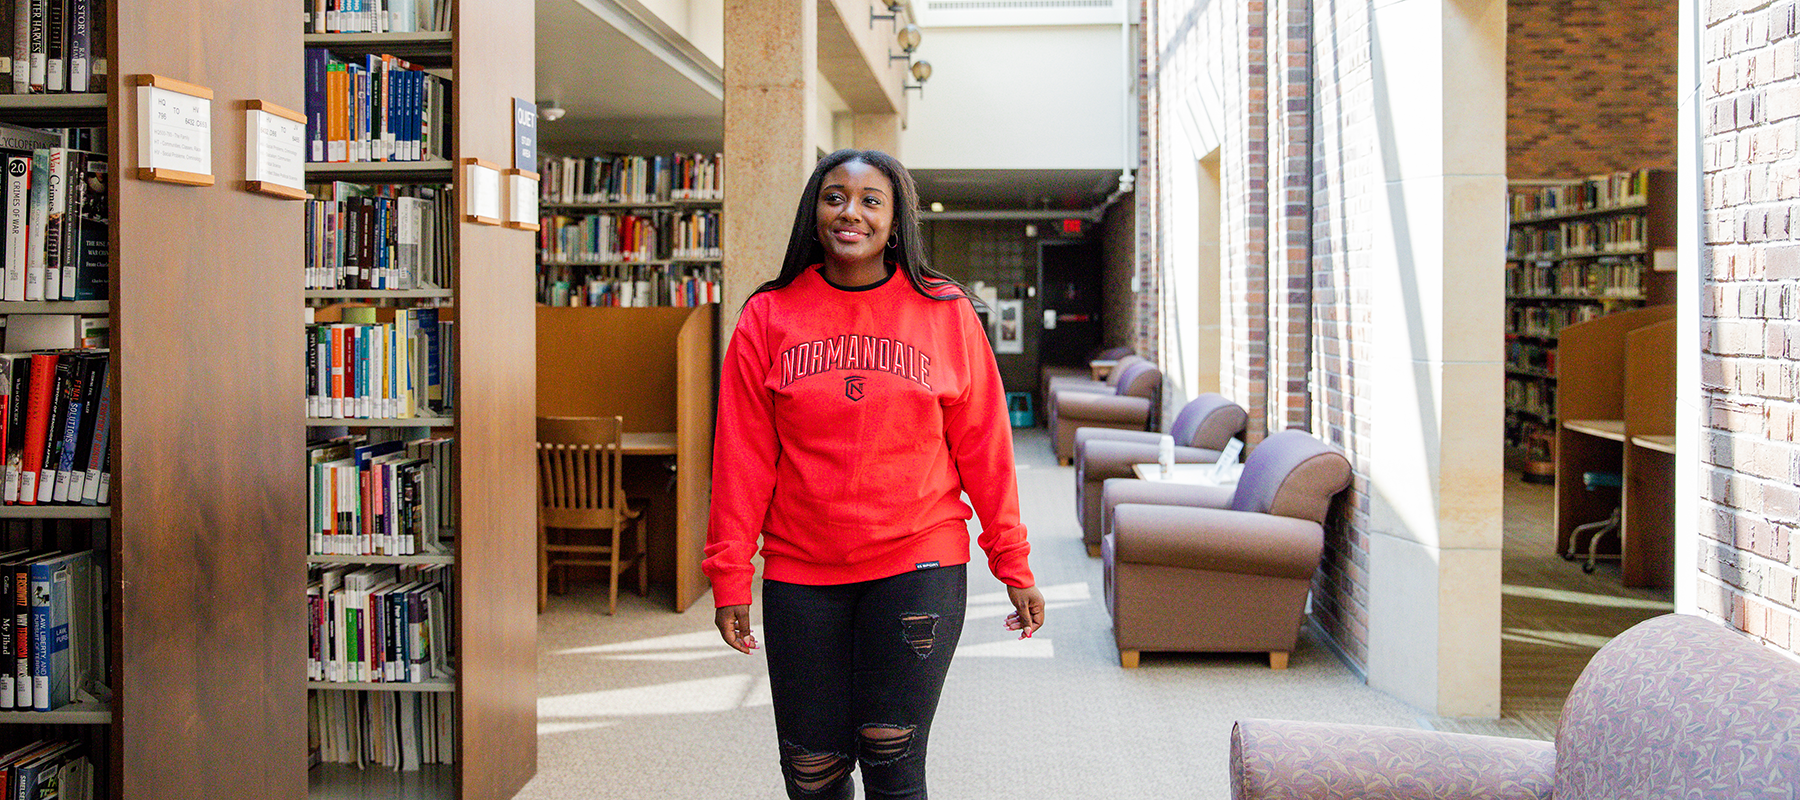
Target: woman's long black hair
{"x":804,"y":249}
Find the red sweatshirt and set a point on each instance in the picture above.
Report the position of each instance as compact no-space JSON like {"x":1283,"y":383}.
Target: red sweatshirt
{"x":850,"y":423}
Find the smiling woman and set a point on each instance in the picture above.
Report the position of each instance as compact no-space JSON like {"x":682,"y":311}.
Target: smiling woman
{"x":855,"y":410}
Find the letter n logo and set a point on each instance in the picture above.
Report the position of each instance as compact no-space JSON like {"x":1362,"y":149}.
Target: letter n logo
{"x":853,"y":387}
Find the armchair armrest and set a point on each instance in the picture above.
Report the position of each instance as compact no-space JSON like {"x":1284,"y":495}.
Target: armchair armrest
{"x":1217,"y":540}
{"x":1318,"y":761}
{"x":1062,"y":383}
{"x":1119,"y":491}
{"x":1107,"y":458}
{"x":1102,"y":408}
{"x":1115,"y":435}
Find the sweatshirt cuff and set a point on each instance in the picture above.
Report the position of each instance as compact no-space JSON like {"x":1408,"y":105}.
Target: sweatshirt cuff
{"x":731,"y":592}
{"x":1013,"y":567}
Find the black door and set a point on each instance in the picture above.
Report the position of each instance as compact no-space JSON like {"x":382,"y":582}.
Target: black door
{"x":1069,"y":286}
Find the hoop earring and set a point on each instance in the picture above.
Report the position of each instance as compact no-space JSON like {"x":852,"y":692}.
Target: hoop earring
{"x":893,"y":242}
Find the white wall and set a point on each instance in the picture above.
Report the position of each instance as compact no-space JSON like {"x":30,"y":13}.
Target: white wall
{"x":700,"y":22}
{"x":1023,"y":98}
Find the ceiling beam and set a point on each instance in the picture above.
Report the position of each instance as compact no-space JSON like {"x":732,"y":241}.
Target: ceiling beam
{"x":657,"y":38}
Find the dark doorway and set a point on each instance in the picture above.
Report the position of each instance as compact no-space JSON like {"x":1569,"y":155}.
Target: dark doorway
{"x":1069,"y":286}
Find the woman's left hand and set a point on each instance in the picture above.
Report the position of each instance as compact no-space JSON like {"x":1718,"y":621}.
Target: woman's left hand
{"x":1028,"y":614}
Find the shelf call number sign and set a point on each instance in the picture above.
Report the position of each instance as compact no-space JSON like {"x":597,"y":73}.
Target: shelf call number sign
{"x":274,"y":150}
{"x":174,"y":131}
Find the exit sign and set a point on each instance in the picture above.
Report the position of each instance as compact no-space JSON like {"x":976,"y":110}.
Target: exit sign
{"x":1072,"y":226}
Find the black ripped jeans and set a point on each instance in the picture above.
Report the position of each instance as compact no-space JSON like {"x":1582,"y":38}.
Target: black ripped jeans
{"x":855,"y":671}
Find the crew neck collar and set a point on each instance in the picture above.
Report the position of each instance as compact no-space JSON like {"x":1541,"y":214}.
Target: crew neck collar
{"x":892,"y":269}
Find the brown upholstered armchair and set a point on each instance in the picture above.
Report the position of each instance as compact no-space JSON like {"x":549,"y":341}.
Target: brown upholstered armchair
{"x":1201,"y":429}
{"x":1677,"y":706}
{"x":1217,"y":569}
{"x":1083,"y":383}
{"x":1131,"y":406}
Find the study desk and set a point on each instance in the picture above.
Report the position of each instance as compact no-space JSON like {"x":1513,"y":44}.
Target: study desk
{"x":1616,"y":400}
{"x":654,"y":367}
{"x":648,"y":443}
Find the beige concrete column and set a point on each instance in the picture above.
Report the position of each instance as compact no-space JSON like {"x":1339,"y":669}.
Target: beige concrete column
{"x":771,"y":64}
{"x":1435,"y":471}
{"x":877,"y":132}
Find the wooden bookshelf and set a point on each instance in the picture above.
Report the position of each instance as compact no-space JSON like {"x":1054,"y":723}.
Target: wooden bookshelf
{"x":71,"y":714}
{"x":55,"y":512}
{"x":205,"y":661}
{"x":494,"y":617}
{"x":381,"y":422}
{"x":495,"y":687}
{"x":1527,"y":422}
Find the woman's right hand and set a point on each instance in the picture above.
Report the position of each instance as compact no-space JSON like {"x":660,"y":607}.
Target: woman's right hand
{"x":734,"y":626}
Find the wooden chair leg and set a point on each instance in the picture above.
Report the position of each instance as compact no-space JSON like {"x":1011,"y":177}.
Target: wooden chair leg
{"x":1128,"y":659}
{"x":543,"y":560}
{"x":1278,"y":659}
{"x":643,"y":557}
{"x":612,"y":594}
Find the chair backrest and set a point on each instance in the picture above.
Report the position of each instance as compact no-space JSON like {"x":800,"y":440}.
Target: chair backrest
{"x":579,"y":462}
{"x":1291,"y":474}
{"x":1141,"y":379}
{"x":1114,"y":353}
{"x":1118,"y":370}
{"x":1680,"y":706}
{"x":1209,"y":421}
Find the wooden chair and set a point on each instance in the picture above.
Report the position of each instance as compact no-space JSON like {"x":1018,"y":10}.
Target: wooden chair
{"x":579,"y":488}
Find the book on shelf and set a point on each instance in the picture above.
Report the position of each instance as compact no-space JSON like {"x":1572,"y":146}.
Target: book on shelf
{"x":56,"y":46}
{"x":380,"y":624}
{"x":628,"y":286}
{"x":56,"y":427}
{"x":64,"y":641}
{"x":379,"y":496}
{"x":379,"y":237}
{"x":48,"y":770}
{"x":379,"y":363}
{"x":55,"y":230}
{"x":1623,"y":189}
{"x":627,"y":179}
{"x":608,"y":237}
{"x":376,"y":108}
{"x":18,"y":572}
{"x":397,"y":730}
{"x":376,"y":16}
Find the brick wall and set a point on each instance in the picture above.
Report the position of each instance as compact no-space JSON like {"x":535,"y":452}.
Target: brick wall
{"x":1590,"y":86}
{"x":1290,"y":190}
{"x":1209,"y":59}
{"x":1749,"y":568}
{"x":1346,"y":171}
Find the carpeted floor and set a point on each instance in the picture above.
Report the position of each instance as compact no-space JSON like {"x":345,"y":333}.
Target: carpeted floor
{"x":651,"y":704}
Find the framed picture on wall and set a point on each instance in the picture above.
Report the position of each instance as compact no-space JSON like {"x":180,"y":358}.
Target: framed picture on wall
{"x":1008,"y":338}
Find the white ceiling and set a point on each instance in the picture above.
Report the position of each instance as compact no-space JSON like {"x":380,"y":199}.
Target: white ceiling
{"x":623,"y":89}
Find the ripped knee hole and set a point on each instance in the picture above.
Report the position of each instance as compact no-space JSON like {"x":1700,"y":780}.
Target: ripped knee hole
{"x":885,"y":744}
{"x":813,"y":772}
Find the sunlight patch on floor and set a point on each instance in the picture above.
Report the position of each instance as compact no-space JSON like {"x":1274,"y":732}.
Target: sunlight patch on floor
{"x":1584,"y":598}
{"x":1035,"y":647}
{"x":703,"y":696}
{"x":1555,"y":638}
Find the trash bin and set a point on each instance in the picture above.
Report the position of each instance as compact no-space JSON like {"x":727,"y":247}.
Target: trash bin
{"x":1018,"y":405}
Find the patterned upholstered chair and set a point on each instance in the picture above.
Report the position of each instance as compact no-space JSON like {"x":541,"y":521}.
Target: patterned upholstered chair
{"x":1201,"y":429}
{"x":1131,"y":406}
{"x":1220,"y":569}
{"x":1675,"y":707}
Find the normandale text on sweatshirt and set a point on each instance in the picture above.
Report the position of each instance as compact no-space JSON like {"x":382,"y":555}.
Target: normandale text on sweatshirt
{"x":855,"y":352}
